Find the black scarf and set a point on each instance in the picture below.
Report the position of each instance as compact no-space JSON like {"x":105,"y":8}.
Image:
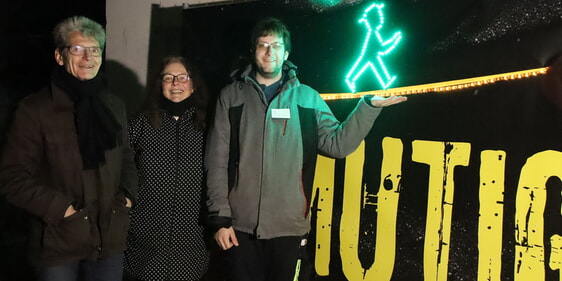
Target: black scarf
{"x":176,"y":108}
{"x":96,"y":126}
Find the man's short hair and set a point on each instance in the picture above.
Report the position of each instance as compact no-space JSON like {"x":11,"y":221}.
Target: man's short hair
{"x":271,"y":26}
{"x":84,"y":25}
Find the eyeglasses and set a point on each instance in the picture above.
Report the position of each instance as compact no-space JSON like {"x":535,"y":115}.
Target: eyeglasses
{"x":275,"y":45}
{"x":78,"y":50}
{"x":170,"y":78}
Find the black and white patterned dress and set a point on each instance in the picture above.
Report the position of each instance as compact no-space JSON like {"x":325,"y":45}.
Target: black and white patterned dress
{"x":166,"y":239}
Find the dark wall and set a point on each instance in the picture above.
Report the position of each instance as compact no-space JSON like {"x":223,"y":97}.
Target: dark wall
{"x":26,"y":45}
{"x":442,"y":40}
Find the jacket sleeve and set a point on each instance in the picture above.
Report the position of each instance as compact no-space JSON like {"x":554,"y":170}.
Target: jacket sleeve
{"x":129,"y":174}
{"x":19,"y":168}
{"x":341,"y":139}
{"x":217,"y":156}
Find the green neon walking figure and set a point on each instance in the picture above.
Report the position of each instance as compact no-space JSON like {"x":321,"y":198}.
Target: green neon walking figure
{"x":374,"y":49}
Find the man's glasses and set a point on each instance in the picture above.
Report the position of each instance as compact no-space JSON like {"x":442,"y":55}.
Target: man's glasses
{"x":78,"y":50}
{"x":169,"y":78}
{"x":264,"y":46}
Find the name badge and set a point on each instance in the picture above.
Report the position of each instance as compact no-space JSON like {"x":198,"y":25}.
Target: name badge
{"x":281,"y":113}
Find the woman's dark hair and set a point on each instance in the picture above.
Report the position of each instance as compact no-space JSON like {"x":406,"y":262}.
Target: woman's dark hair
{"x":200,"y":93}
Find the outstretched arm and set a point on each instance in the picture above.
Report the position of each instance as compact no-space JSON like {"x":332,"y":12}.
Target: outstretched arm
{"x":340,"y":139}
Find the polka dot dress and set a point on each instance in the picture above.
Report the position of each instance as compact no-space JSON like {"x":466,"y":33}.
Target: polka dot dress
{"x":166,"y":237}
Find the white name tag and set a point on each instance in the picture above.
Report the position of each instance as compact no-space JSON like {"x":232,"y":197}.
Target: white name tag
{"x":281,"y":113}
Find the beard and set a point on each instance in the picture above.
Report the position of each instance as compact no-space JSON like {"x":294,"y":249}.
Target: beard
{"x":269,"y":70}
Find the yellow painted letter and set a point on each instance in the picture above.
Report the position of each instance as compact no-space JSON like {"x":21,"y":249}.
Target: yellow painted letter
{"x":324,"y":190}
{"x":442,"y":158}
{"x":529,"y":211}
{"x":490,"y":223}
{"x":387,"y":205}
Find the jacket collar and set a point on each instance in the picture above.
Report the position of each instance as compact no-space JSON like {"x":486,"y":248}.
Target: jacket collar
{"x":60,"y":98}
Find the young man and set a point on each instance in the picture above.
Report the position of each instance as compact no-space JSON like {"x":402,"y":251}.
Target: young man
{"x":262,"y":154}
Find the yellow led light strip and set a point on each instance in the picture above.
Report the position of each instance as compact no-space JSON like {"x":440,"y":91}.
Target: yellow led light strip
{"x":441,"y":86}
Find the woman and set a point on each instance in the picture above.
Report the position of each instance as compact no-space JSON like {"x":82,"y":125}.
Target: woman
{"x":166,"y":240}
{"x":67,"y":162}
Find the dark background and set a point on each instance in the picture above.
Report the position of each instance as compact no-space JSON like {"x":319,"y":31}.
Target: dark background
{"x":26,"y":48}
{"x":442,"y":40}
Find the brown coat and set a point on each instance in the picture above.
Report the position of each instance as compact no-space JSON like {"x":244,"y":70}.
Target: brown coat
{"x":41,"y":172}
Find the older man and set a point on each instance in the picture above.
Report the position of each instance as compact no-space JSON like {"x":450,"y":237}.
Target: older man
{"x":67,"y":162}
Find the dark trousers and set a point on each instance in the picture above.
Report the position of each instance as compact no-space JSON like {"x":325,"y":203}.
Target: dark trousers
{"x":110,"y":269}
{"x":276,"y":259}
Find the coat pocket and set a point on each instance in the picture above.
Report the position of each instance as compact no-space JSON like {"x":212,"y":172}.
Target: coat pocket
{"x":69,"y":237}
{"x":62,"y":150}
{"x":119,"y":225}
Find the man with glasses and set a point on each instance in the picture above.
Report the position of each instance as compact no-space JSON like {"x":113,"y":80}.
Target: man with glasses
{"x":261,"y":158}
{"x":67,"y":162}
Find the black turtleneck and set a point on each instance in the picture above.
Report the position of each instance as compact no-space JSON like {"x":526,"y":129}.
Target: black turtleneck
{"x":176,"y":108}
